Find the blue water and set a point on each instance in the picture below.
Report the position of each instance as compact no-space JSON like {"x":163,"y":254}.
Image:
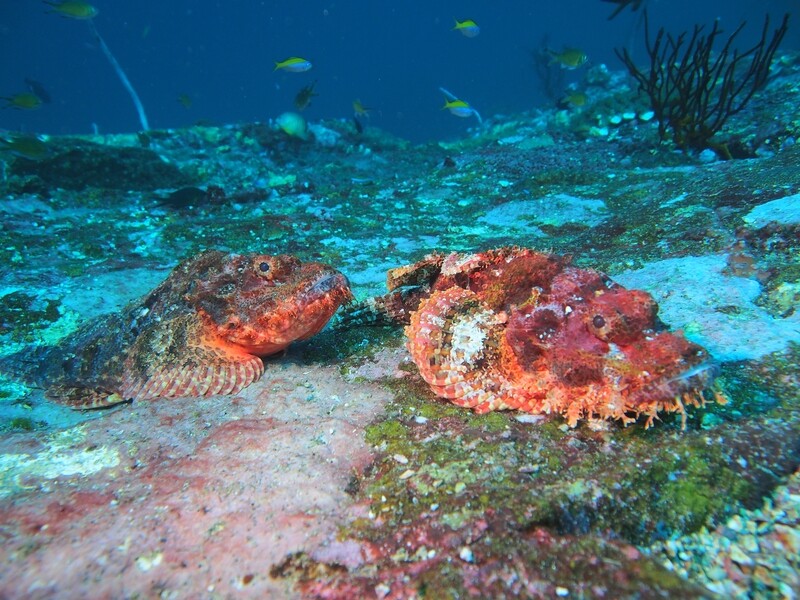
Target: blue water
{"x":393,"y":56}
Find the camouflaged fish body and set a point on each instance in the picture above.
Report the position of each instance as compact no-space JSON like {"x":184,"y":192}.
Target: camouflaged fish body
{"x":513,"y":328}
{"x":200,"y":332}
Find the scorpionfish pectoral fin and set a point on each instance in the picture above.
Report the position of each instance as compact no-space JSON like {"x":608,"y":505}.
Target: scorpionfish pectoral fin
{"x":181,"y":358}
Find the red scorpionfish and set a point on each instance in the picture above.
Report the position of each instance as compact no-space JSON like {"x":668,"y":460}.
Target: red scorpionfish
{"x":513,"y":328}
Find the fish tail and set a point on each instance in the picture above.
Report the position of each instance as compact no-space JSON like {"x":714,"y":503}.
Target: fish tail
{"x":26,"y":365}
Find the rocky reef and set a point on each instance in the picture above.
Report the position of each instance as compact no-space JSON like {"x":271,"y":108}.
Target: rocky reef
{"x":340,"y":473}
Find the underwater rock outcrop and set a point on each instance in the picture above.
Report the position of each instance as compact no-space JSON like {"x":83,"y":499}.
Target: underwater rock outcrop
{"x":89,"y":165}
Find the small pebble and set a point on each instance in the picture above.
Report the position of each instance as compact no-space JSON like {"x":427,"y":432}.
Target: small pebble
{"x":749,"y":543}
{"x":527,"y":418}
{"x":735,"y":523}
{"x":756,"y":549}
{"x":466,"y":555}
{"x":739,"y":557}
{"x":715,"y":573}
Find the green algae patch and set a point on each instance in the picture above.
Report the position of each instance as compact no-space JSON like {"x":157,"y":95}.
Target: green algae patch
{"x":89,"y":165}
{"x":491,"y":421}
{"x":414,"y":398}
{"x":386,"y":432}
{"x":769,"y":387}
{"x":22,"y":313}
{"x":447,"y":466}
{"x":353,"y":346}
{"x":64,"y":454}
{"x":681,"y":489}
{"x":21,"y":424}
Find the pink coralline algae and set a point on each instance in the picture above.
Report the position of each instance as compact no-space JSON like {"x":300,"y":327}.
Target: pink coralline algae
{"x":206,"y":494}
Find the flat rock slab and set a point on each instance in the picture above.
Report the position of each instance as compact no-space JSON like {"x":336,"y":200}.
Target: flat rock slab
{"x":716,"y":310}
{"x":188,"y":496}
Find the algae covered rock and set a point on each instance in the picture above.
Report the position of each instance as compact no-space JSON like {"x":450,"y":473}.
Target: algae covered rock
{"x":88,"y":165}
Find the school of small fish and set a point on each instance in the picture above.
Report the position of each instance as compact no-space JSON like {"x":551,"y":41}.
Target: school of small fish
{"x":37,"y":95}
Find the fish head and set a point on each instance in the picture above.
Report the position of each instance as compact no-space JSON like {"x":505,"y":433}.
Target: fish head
{"x":588,"y":331}
{"x":261,"y":303}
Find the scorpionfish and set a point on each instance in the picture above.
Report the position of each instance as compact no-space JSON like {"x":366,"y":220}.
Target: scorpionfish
{"x":513,"y":328}
{"x":201,"y":332}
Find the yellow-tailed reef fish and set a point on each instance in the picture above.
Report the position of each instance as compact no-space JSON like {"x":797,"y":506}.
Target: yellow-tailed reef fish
{"x":359,"y":110}
{"x":467,"y":27}
{"x":25,"y":146}
{"x":22,"y":101}
{"x":458,"y":107}
{"x":573,"y":98}
{"x":568,"y":58}
{"x":293,"y":125}
{"x":73,"y":9}
{"x":293,"y":64}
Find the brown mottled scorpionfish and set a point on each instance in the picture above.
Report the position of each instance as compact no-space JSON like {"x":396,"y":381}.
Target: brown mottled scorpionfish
{"x":200,"y":332}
